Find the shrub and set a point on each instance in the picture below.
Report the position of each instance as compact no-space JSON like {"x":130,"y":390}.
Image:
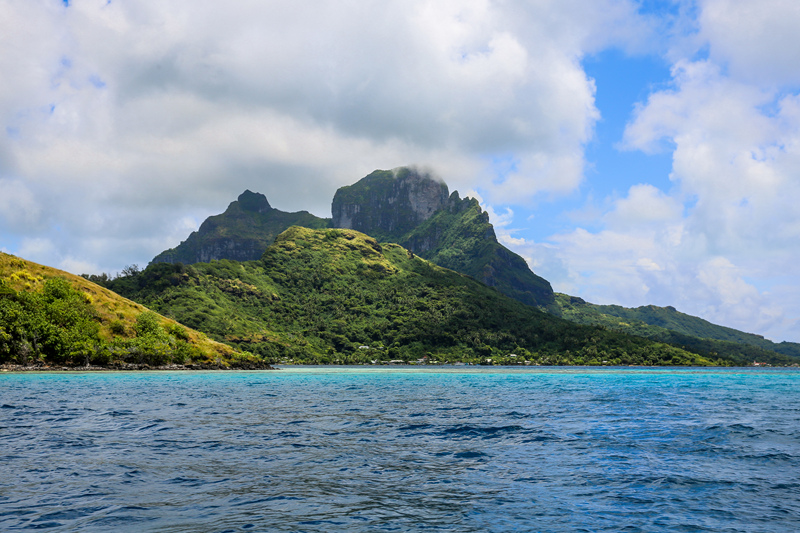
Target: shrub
{"x":117,"y":327}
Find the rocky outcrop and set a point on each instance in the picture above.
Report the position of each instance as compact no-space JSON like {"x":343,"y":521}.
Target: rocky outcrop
{"x":414,"y":210}
{"x":387,"y":203}
{"x":241,"y":233}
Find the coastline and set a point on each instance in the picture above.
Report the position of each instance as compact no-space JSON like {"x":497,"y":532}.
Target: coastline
{"x":125,"y":367}
{"x":132,"y":367}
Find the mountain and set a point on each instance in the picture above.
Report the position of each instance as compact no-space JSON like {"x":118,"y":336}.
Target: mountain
{"x":410,"y":208}
{"x":48,"y":316}
{"x":241,"y":233}
{"x":413,"y":209}
{"x":388,"y":204}
{"x":337,"y":295}
{"x":667,"y":324}
{"x":402,"y":206}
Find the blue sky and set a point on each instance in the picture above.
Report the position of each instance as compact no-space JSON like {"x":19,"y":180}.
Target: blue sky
{"x":633,"y":152}
{"x":622,"y":81}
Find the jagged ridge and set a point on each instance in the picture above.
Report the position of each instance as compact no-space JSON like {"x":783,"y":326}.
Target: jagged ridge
{"x":414,"y":210}
{"x":241,"y":233}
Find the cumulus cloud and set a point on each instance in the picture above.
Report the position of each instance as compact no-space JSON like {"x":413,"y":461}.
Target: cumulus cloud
{"x":653,"y":257}
{"x":128,"y":117}
{"x":736,"y":166}
{"x":644,"y":205}
{"x":18,"y":205}
{"x":722,"y":242}
{"x":756,"y":41}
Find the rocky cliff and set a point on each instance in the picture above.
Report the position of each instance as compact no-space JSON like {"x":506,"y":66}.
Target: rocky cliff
{"x":414,"y":210}
{"x":387,"y":203}
{"x":241,"y":233}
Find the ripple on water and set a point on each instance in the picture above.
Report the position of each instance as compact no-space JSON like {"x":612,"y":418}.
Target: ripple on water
{"x":337,"y":449}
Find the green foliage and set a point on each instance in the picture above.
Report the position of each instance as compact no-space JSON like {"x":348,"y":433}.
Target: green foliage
{"x":338,"y":296}
{"x":683,"y":325}
{"x":59,"y":325}
{"x":178,"y":331}
{"x":460,"y":237}
{"x":148,"y":325}
{"x":666,"y":324}
{"x":117,"y":327}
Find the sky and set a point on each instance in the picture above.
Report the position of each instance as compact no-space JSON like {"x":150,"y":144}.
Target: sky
{"x":633,"y":152}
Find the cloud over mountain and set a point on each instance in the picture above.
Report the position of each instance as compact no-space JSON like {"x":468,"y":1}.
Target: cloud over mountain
{"x":126,"y":124}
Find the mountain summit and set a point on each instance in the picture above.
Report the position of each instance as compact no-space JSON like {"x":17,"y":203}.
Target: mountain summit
{"x":412,"y":209}
{"x":416,"y":211}
{"x":388,"y":203}
{"x":241,"y":233}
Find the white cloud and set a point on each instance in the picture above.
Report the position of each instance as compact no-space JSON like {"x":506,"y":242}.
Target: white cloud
{"x":739,"y":162}
{"x":124,"y":118}
{"x":35,"y":249}
{"x":18,"y":205}
{"x":71,"y":264}
{"x":758,"y":41}
{"x":644,"y":205}
{"x":646,"y":263}
{"x":722,"y":243}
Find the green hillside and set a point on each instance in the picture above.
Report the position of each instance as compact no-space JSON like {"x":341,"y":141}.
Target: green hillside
{"x":327,"y":296}
{"x":460,"y":237}
{"x":681,"y":323}
{"x":666,"y":324}
{"x":51,"y":317}
{"x":415,"y":210}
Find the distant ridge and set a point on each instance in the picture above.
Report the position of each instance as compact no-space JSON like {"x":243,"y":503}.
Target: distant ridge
{"x":241,"y":233}
{"x":667,"y":324}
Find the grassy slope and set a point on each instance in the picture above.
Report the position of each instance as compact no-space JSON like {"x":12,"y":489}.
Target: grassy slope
{"x":325,"y":295}
{"x":669,"y":325}
{"x":115,"y":315}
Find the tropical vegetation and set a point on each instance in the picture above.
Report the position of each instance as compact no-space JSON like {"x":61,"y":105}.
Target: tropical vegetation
{"x":50,"y":317}
{"x":338,"y":296}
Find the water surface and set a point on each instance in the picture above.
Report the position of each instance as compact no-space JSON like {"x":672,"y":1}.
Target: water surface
{"x":376,"y":449}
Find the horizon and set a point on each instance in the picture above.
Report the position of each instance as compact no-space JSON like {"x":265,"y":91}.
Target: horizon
{"x":633,"y":152}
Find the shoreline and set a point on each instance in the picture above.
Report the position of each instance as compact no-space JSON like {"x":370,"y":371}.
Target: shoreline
{"x":132,"y":367}
{"x":123,"y":367}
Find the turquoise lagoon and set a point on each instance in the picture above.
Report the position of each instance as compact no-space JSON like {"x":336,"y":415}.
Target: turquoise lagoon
{"x":402,"y":449}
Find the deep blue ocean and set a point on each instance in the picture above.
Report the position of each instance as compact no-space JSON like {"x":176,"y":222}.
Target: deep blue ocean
{"x":402,"y":449}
